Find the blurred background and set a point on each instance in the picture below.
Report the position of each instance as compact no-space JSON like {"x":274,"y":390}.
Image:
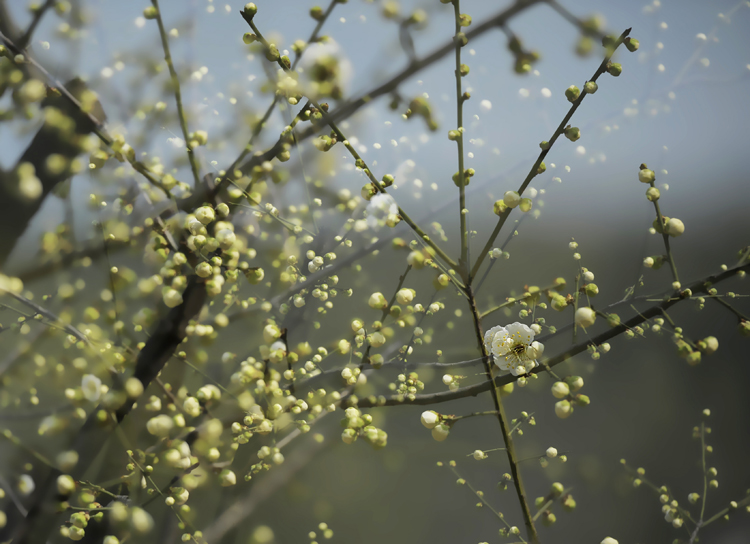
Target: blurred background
{"x":680,"y":106}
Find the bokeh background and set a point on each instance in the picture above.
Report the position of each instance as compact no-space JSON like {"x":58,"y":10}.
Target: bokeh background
{"x":680,"y":106}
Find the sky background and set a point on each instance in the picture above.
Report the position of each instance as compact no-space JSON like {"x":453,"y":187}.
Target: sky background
{"x":684,"y":116}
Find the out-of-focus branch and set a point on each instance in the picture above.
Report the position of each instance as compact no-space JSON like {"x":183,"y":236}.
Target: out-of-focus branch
{"x":160,"y":347}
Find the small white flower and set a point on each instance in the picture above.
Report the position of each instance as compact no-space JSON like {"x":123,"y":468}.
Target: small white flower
{"x":379,"y":208}
{"x":609,"y":540}
{"x":551,"y":452}
{"x":513,"y":347}
{"x":91,"y":387}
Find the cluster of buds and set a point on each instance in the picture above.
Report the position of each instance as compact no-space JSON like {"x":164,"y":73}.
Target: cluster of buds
{"x":439,"y":424}
{"x":407,"y":385}
{"x":357,"y":424}
{"x":557,"y":493}
{"x":564,"y":391}
{"x":523,"y":59}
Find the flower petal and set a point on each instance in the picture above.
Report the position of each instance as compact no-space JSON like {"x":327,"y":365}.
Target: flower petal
{"x":521,"y":332}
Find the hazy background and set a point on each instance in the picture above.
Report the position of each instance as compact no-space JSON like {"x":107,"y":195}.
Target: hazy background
{"x":645,"y":400}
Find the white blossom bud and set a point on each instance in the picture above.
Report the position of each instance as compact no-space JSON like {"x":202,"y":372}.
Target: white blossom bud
{"x":585,"y":317}
{"x":440,"y":432}
{"x":429,"y":419}
{"x":511,"y":199}
{"x":563,"y":409}
{"x":646,"y":175}
{"x":551,"y":452}
{"x":560,"y":390}
{"x":160,"y":425}
{"x":674,"y":227}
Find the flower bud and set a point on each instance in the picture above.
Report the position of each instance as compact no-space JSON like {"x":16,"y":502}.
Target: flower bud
{"x":575,"y":382}
{"x":227,"y":478}
{"x":708,"y":345}
{"x":572,"y":93}
{"x":563,"y":409}
{"x":377,"y":301}
{"x":632,"y":44}
{"x":440,"y":432}
{"x":560,"y":390}
{"x":511,"y":199}
{"x":674,"y":227}
{"x":646,"y":175}
{"x":499,"y":207}
{"x":429,"y":419}
{"x":591,"y":289}
{"x":653,"y":194}
{"x":614,"y":68}
{"x":585,"y":317}
{"x":572,"y":133}
{"x":590,"y":87}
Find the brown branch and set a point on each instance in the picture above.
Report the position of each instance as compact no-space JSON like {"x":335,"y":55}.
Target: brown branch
{"x":482,"y":387}
{"x":160,"y":347}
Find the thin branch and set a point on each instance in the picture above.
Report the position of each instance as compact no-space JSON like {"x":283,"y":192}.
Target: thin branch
{"x":534,"y":169}
{"x":177,"y":95}
{"x":482,"y":387}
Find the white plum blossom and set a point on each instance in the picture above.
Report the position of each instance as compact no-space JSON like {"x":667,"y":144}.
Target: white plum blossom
{"x":380,"y":209}
{"x":513,"y":347}
{"x":91,"y":386}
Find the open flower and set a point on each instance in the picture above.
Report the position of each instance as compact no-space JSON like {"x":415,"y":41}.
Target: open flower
{"x":513,"y":347}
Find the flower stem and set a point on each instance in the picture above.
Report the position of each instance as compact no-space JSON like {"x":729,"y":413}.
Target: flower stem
{"x":177,"y":95}
{"x":533,"y":172}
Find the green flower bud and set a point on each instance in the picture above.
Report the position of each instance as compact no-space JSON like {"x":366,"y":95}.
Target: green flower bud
{"x":591,"y":289}
{"x":525,"y":205}
{"x":249,"y":37}
{"x":499,"y":207}
{"x":544,"y":144}
{"x":572,"y":133}
{"x":653,"y":194}
{"x":646,"y":175}
{"x":572,"y":93}
{"x":590,"y":87}
{"x":632,"y":44}
{"x":150,"y":13}
{"x":464,"y":70}
{"x":614,"y":68}
{"x":542,"y":168}
{"x":250,"y":10}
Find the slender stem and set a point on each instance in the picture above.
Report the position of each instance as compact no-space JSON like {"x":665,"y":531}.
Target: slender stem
{"x":661,"y":223}
{"x":177,"y":94}
{"x":533,"y":171}
{"x":704,"y":469}
{"x":267,"y":115}
{"x":24,"y":40}
{"x":480,"y":496}
{"x":505,"y":427}
{"x":463,"y":261}
{"x":379,"y":186}
{"x":498,"y":381}
{"x":740,"y":315}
